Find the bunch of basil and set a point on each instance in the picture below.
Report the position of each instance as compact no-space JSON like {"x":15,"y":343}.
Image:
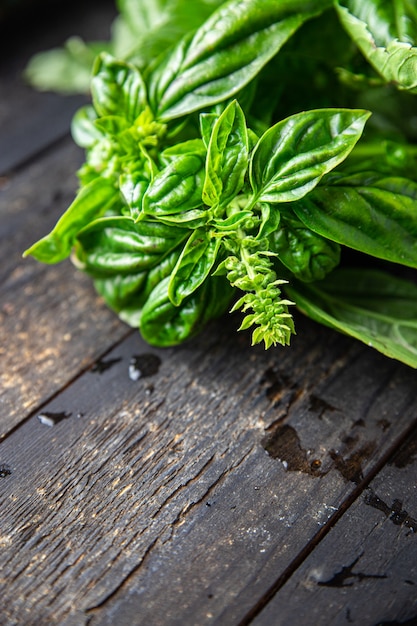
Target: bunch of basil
{"x":227,"y":171}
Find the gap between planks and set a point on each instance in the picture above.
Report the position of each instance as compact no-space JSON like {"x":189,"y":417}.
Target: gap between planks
{"x":324,"y":530}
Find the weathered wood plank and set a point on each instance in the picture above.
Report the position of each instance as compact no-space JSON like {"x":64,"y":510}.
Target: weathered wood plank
{"x":52,"y":325}
{"x":29,"y":120}
{"x":365,"y":571}
{"x":159,"y":503}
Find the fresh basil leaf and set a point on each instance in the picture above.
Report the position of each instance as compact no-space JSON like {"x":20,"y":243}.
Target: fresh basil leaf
{"x":92,"y":201}
{"x":233,"y":222}
{"x":372,"y":306}
{"x":147,"y":27}
{"x":119,"y":245}
{"x":227,"y":157}
{"x":194,"y":265}
{"x":66,"y":70}
{"x":117,"y":88}
{"x":270,"y":219}
{"x":83,"y":129}
{"x":133,"y":186}
{"x":225,"y":53}
{"x":163,"y":324}
{"x":386,"y":33}
{"x":111,"y":125}
{"x":193,"y":218}
{"x":307,"y":255}
{"x":367,"y":211}
{"x":191,"y":146}
{"x":126,"y":294}
{"x":207,"y":121}
{"x":292,"y":156}
{"x":178,"y":187}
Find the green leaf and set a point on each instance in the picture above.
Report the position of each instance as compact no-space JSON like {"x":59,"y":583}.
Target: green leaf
{"x":191,"y":146}
{"x":236,"y":220}
{"x":207,"y":121}
{"x":292,"y":156}
{"x":372,"y":306}
{"x":66,"y":70}
{"x":117,"y":88}
{"x":163,"y":324}
{"x":178,"y":187}
{"x":227,"y":157}
{"x":133,"y":186}
{"x":270,"y":219}
{"x":386,"y":33}
{"x":225,"y":53}
{"x":118,"y":245}
{"x":148,"y":27}
{"x":126,"y":294}
{"x":194,"y":265}
{"x":92,"y":201}
{"x":111,"y":125}
{"x":83,"y":129}
{"x":367,"y":211}
{"x":307,"y":255}
{"x":193,"y":218}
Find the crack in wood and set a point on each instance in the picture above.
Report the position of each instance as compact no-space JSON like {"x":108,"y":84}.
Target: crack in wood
{"x":90,"y":610}
{"x":183,"y":486}
{"x":324,"y":530}
{"x":58,"y":392}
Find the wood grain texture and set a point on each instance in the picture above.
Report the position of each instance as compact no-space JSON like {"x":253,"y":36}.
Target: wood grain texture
{"x":30,"y":121}
{"x":263,"y":517}
{"x":228,"y":486}
{"x":52,"y":325}
{"x":365,"y":571}
{"x":156,"y":500}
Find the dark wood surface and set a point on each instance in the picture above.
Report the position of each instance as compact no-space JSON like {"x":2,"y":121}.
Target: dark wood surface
{"x":227,"y":486}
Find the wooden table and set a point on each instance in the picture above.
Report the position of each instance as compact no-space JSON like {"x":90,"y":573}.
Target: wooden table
{"x":226,"y":485}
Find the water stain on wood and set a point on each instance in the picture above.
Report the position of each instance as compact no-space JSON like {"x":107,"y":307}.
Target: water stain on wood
{"x":143,"y":365}
{"x":320,"y":406}
{"x":284,"y":444}
{"x":351,"y":467}
{"x":406,"y":455}
{"x":277,"y":386}
{"x":346,"y":577}
{"x":49,"y":418}
{"x":395,"y":512}
{"x":5,"y":470}
{"x":102,"y":365}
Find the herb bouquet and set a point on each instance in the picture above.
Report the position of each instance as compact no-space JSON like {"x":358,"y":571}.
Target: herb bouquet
{"x":237,"y":167}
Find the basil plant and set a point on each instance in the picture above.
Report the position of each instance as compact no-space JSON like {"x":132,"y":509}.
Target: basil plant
{"x":245,"y":165}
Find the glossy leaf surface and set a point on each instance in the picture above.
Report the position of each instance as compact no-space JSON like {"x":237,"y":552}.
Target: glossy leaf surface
{"x":227,"y":157}
{"x":164,"y":324}
{"x":372,"y":306}
{"x":117,"y":88}
{"x":386,"y":33}
{"x":367,"y":211}
{"x":178,"y":187}
{"x":118,"y":245}
{"x":91,"y":202}
{"x":225,"y":53}
{"x":292,"y":156}
{"x":194,"y":265}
